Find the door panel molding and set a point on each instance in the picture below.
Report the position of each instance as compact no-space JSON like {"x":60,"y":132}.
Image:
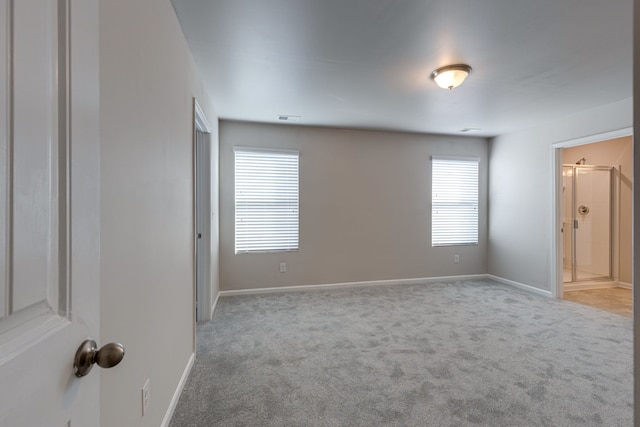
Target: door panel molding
{"x":34,"y":163}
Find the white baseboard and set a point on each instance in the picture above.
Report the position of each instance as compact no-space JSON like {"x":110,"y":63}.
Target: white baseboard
{"x":176,"y":395}
{"x":519,"y":285}
{"x":416,"y":281}
{"x":625,"y":285}
{"x":213,"y":306}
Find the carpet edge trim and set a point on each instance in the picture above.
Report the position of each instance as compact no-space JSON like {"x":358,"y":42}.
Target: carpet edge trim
{"x":519,"y":285}
{"x":347,"y":285}
{"x":176,"y":394}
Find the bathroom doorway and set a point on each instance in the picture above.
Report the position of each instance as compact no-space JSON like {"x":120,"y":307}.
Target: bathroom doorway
{"x":595,"y":233}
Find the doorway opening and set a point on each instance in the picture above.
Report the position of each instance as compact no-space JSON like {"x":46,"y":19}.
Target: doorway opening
{"x":202,"y":213}
{"x":593,"y":219}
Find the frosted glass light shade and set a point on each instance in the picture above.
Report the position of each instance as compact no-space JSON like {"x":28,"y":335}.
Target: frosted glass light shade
{"x":451,"y":76}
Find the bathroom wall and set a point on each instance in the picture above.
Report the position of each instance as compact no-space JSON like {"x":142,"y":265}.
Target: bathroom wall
{"x":618,"y":153}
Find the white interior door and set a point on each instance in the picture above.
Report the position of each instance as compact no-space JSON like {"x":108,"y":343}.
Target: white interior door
{"x":49,"y":210}
{"x":203,"y":225}
{"x":203,"y":214}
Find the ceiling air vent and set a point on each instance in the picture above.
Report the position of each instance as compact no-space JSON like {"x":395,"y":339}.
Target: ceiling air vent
{"x":288,"y":118}
{"x":465,"y":130}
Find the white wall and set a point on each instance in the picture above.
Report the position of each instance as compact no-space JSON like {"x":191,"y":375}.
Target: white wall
{"x":148,"y":79}
{"x":365,"y":200}
{"x":520,"y":191}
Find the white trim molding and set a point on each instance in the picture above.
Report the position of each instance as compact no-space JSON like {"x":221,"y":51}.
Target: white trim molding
{"x":348,"y":285}
{"x":417,"y":281}
{"x":214,"y":305}
{"x":605,"y":136}
{"x":201,"y":122}
{"x":176,"y":394}
{"x":522,"y":286}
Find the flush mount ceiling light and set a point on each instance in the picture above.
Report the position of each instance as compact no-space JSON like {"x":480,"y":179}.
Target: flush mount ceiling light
{"x":451,"y":76}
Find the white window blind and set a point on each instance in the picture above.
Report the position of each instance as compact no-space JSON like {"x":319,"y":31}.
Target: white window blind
{"x":266,"y":200}
{"x":454,"y":192}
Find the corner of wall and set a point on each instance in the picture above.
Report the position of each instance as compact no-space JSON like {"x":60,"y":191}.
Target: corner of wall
{"x":520,"y":197}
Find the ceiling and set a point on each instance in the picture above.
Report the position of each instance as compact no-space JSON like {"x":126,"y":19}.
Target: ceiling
{"x":366,"y":63}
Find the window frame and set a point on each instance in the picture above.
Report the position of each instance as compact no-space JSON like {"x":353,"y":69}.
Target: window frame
{"x":274,"y":248}
{"x":475,"y":204}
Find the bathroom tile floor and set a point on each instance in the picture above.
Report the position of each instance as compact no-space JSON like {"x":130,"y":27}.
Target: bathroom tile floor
{"x":613,"y":300}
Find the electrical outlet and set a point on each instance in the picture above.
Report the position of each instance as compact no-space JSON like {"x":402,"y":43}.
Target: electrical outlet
{"x":456,"y":259}
{"x":283,"y":267}
{"x":146,"y":397}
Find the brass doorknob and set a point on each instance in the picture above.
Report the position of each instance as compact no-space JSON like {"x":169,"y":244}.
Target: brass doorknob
{"x":108,"y":356}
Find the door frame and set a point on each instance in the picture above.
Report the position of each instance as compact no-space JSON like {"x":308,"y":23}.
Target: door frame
{"x":556,"y":245}
{"x":201,"y":292}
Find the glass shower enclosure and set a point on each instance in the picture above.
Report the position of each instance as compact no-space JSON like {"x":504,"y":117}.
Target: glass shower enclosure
{"x":587,"y":222}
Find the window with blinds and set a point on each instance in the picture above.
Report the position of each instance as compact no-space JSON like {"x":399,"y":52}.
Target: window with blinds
{"x":266,"y":199}
{"x":454,"y":193}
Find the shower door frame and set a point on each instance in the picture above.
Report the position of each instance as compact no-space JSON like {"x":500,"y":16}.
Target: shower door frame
{"x":555,"y":242}
{"x":574,"y":207}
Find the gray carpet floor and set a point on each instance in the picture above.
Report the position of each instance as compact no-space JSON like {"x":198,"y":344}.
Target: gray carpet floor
{"x":449,"y":354}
